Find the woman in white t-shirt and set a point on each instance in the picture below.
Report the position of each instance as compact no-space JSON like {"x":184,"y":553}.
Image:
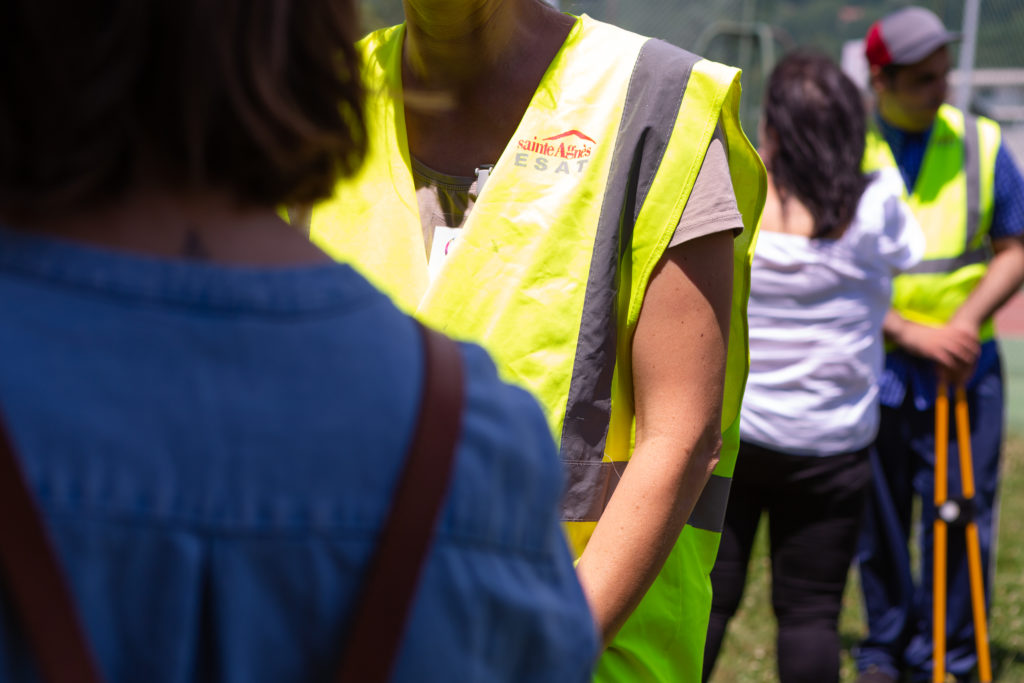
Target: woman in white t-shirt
{"x":831,"y":241}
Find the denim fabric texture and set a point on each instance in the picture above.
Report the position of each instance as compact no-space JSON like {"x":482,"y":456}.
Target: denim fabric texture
{"x":215,"y":449}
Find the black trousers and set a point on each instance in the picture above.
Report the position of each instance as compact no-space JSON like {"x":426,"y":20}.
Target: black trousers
{"x":814,"y":507}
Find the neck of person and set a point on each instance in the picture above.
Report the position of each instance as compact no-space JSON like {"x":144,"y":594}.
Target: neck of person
{"x":205,"y":226}
{"x":456,"y":44}
{"x":784,"y":212}
{"x":896,"y":118}
{"x":469,"y":71}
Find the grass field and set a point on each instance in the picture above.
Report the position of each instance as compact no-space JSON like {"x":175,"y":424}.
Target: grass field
{"x":1013,"y":361}
{"x":748,"y":654}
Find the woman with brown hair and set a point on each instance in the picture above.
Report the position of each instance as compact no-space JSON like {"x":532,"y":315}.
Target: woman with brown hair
{"x":212,"y":415}
{"x":831,"y":240}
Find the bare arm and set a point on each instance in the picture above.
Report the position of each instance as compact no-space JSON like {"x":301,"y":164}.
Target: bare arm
{"x":955,"y":346}
{"x":679,"y":353}
{"x":1004,"y":277}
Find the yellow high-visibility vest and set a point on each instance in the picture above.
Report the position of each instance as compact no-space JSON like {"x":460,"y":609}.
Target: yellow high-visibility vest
{"x":952,"y":199}
{"x":550,"y":271}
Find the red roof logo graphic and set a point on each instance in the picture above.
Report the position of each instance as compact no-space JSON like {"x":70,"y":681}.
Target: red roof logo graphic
{"x":567,"y":152}
{"x":572,"y":132}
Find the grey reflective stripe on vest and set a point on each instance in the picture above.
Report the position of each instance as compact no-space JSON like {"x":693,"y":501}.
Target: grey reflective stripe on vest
{"x":972,"y":171}
{"x":949,"y":265}
{"x":654,"y":95}
{"x":709,"y":512}
{"x":972,"y":176}
{"x":590,"y":487}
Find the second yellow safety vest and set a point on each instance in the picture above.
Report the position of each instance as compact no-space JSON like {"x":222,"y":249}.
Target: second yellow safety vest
{"x":551,"y":268}
{"x":952,"y":200}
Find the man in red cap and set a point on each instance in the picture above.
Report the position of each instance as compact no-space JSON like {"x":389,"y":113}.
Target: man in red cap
{"x":968,"y":195}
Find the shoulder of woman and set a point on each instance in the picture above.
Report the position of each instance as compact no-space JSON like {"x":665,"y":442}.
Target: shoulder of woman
{"x":887,"y":218}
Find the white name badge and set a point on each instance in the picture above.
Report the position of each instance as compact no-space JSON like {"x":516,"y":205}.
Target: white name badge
{"x":440,"y":248}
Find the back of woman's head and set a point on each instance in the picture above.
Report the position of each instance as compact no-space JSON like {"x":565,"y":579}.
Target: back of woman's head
{"x":815,"y":119}
{"x":256,"y":98}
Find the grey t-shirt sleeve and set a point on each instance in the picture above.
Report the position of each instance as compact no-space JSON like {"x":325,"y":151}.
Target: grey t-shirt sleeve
{"x":711,"y":206}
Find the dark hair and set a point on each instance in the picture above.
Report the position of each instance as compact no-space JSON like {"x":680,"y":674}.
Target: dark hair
{"x":816,"y":118}
{"x":259,"y":98}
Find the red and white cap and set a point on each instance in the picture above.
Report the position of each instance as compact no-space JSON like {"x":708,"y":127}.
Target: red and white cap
{"x":905,"y":37}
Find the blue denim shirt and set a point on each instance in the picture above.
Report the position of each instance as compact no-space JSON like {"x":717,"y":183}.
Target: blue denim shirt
{"x":904,"y":371}
{"x":215,"y":449}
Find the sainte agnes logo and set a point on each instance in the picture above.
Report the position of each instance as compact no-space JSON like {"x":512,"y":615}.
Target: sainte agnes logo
{"x":567,"y":153}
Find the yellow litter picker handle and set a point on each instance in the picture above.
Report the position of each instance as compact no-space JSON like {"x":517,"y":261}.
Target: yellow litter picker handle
{"x":939,"y":566}
{"x":939,"y":534}
{"x":963,"y":433}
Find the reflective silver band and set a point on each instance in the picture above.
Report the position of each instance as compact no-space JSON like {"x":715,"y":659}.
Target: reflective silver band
{"x":653,"y":98}
{"x":709,"y":512}
{"x":591,"y":485}
{"x":949,"y":265}
{"x":972,"y":169}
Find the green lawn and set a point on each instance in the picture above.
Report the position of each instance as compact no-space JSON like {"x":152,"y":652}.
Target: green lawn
{"x":1013,"y":362}
{"x":748,"y":654}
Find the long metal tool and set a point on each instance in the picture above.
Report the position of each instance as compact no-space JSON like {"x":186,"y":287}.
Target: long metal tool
{"x":939,"y":534}
{"x":963,"y":434}
{"x":945,"y":514}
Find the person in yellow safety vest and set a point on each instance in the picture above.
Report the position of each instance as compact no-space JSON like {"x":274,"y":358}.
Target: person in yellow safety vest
{"x":582,"y":201}
{"x":968,"y":195}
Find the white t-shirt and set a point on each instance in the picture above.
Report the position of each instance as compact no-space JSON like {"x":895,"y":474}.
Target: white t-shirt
{"x":815,"y":313}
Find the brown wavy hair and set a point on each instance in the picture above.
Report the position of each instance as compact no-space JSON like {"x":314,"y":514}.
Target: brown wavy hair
{"x":259,"y":98}
{"x":817,"y":117}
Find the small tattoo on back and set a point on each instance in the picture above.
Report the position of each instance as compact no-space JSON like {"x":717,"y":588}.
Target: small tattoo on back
{"x":194,"y":247}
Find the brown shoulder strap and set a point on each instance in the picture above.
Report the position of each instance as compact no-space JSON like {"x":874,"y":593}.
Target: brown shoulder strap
{"x":35,"y":581}
{"x":392,"y":576}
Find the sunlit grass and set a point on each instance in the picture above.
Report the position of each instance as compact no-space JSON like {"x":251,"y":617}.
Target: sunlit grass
{"x":748,"y":654}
